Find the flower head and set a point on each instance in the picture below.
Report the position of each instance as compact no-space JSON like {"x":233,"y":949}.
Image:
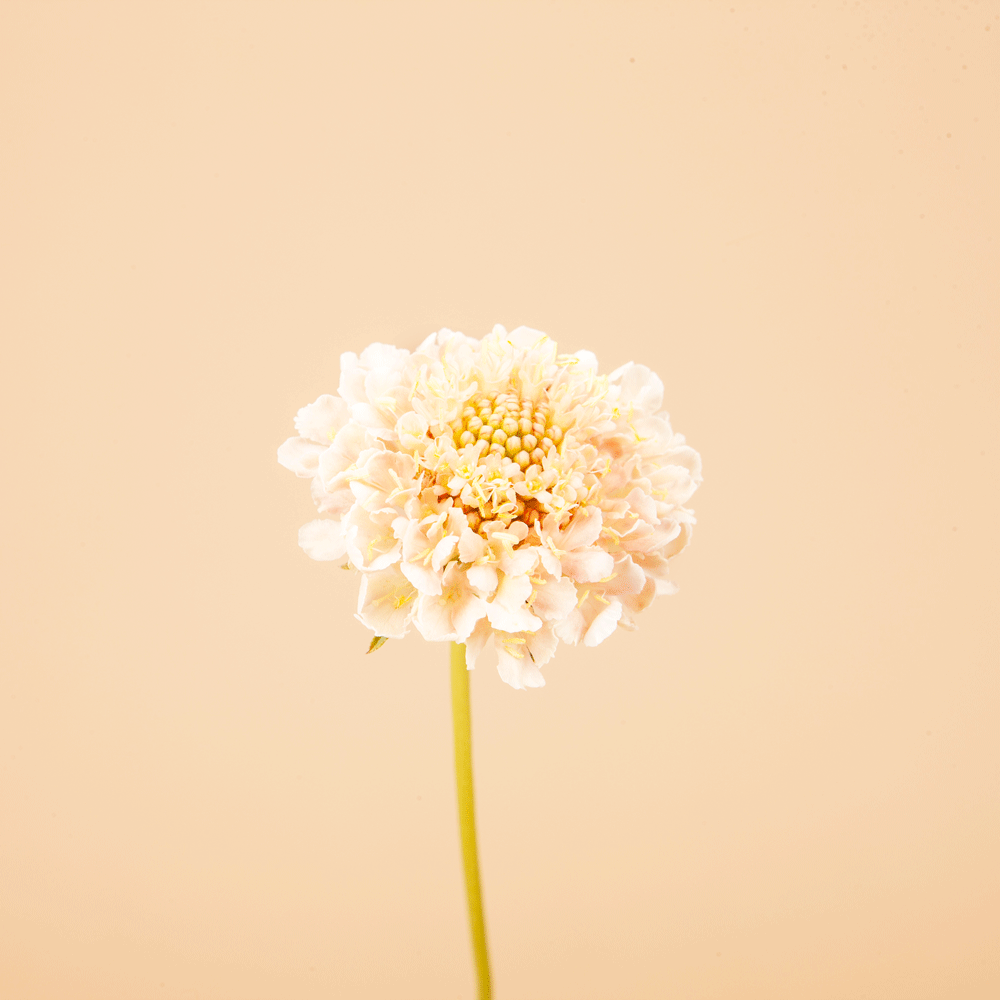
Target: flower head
{"x":496,"y":493}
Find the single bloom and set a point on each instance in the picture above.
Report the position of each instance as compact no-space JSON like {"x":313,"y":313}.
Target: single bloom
{"x":495,"y":492}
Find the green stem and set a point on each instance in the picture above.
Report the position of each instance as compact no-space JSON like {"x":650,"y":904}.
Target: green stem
{"x":467,"y":814}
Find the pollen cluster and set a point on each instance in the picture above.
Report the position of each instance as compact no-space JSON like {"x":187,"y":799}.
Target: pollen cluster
{"x":508,"y":458}
{"x":518,"y":428}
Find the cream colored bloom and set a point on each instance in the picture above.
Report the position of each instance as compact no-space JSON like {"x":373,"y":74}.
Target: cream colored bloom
{"x":496,"y":493}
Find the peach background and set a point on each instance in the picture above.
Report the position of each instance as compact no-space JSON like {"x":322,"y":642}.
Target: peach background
{"x":785,"y":785}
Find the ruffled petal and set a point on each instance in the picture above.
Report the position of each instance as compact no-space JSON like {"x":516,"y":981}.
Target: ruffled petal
{"x":604,"y":624}
{"x":321,"y":420}
{"x":426,"y":580}
{"x":433,"y":619}
{"x":323,"y":540}
{"x":583,"y":530}
{"x":386,"y":603}
{"x":484,"y":578}
{"x":508,"y":610}
{"x":477,"y":642}
{"x":587,"y":565}
{"x":371,"y":544}
{"x":554,"y":599}
{"x":521,"y":656}
{"x":468,"y":611}
{"x":471,"y":546}
{"x":301,"y":456}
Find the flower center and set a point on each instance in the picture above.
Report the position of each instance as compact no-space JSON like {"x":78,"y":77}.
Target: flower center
{"x":507,"y":458}
{"x":518,"y":428}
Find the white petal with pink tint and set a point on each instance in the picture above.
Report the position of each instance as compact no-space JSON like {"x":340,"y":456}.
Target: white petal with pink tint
{"x":386,"y":603}
{"x":323,"y":540}
{"x":603,"y":625}
{"x":508,"y":610}
{"x":321,"y":420}
{"x":301,"y":456}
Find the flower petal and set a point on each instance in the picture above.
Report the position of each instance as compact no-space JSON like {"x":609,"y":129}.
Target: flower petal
{"x":583,"y":530}
{"x":323,"y":540}
{"x":433,"y":618}
{"x":588,"y":565}
{"x":422,"y":577}
{"x":385,"y":603}
{"x":471,"y":546}
{"x":468,"y":612}
{"x":508,"y":611}
{"x":480,"y":636}
{"x":321,"y":420}
{"x":521,"y":656}
{"x":371,"y":544}
{"x":483,"y":578}
{"x":603,"y":625}
{"x":554,"y":599}
{"x":301,"y":456}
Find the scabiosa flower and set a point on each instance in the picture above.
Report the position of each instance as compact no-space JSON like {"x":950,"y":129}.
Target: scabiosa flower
{"x":496,"y":493}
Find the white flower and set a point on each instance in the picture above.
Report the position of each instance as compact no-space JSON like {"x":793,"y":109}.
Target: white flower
{"x":496,"y":493}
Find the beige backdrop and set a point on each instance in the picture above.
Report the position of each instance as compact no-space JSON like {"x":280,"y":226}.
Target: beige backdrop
{"x":785,"y":785}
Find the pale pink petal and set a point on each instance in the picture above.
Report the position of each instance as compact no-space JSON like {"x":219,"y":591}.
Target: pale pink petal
{"x":679,"y":453}
{"x":471,"y":546}
{"x":525,"y":337}
{"x":323,"y":540}
{"x":674,"y":484}
{"x":301,"y":456}
{"x":371,"y":544}
{"x":640,"y":387}
{"x":679,"y":543}
{"x":603,"y":625}
{"x":433,"y":619}
{"x":483,"y":578}
{"x":321,"y":420}
{"x":519,"y":620}
{"x":468,"y":611}
{"x":571,"y":628}
{"x":521,"y":656}
{"x":336,"y":502}
{"x":411,"y":429}
{"x":521,"y":561}
{"x":387,"y":478}
{"x":634,"y":603}
{"x":513,"y":591}
{"x":508,"y":611}
{"x":386,"y":603}
{"x":350,"y":441}
{"x":352,"y":379}
{"x":476,"y":643}
{"x":554,"y":599}
{"x":384,"y":356}
{"x":422,"y":577}
{"x":588,"y":565}
{"x":443,"y":551}
{"x":550,"y":561}
{"x":517,"y":670}
{"x":628,"y":578}
{"x":584,"y":529}
{"x":642,"y":503}
{"x":377,"y":421}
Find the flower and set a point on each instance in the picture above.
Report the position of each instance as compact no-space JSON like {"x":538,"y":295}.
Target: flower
{"x":496,"y":493}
